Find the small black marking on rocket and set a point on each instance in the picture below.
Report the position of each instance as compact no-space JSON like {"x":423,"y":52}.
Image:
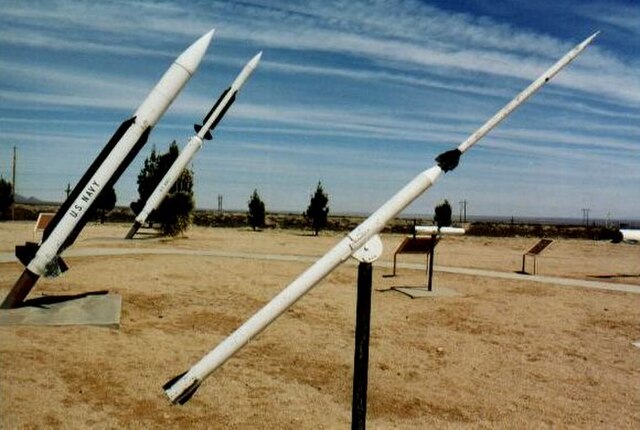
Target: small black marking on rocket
{"x":449,"y":160}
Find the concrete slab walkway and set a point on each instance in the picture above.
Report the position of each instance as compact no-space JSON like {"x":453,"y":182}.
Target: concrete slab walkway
{"x":98,"y":309}
{"x":551,"y":280}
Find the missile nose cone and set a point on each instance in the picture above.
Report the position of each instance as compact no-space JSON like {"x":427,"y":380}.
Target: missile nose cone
{"x":593,"y":36}
{"x":191,"y":57}
{"x":588,"y":40}
{"x":254,"y":61}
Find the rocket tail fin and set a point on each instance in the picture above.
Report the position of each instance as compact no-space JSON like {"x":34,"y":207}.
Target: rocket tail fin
{"x":186,"y":395}
{"x":198,"y":127}
{"x":26,"y":252}
{"x":207,"y":135}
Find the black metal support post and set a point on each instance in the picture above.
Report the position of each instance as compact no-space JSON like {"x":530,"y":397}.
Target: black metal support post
{"x":432,"y":253}
{"x":361,"y":353}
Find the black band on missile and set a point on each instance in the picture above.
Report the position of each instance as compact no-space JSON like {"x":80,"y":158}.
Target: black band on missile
{"x":449,"y":160}
{"x":207,"y":135}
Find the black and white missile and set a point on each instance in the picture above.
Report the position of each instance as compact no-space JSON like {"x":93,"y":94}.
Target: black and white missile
{"x":203,"y":132}
{"x":182,"y":387}
{"x":44,"y":259}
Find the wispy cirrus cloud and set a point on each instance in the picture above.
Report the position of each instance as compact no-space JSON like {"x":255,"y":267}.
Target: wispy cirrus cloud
{"x":397,"y":36}
{"x":342,"y":84}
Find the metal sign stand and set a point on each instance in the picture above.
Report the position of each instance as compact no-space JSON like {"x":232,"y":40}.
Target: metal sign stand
{"x":366,"y":256}
{"x":430,"y":256}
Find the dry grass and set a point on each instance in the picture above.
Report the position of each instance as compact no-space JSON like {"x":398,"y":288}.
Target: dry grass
{"x":505,"y":354}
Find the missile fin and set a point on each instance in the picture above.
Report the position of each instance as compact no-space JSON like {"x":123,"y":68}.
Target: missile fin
{"x":26,"y":252}
{"x":172,"y":381}
{"x":449,"y":160}
{"x":198,"y":127}
{"x":224,"y":110}
{"x":55,"y":268}
{"x":186,"y":395}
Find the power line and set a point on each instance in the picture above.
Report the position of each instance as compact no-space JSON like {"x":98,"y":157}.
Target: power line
{"x":463,"y":210}
{"x":585,"y":216}
{"x":13,"y":185}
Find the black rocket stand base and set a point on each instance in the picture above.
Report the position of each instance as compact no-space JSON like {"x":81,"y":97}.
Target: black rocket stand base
{"x":366,"y":256}
{"x":134,"y":229}
{"x":20,"y":290}
{"x":361,"y":353}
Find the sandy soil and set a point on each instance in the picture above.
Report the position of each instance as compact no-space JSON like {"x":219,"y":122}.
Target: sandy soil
{"x":504,"y":354}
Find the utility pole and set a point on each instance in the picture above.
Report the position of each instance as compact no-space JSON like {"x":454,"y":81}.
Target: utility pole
{"x":13,"y":186}
{"x":463,"y":211}
{"x":585,"y":216}
{"x":220,"y":203}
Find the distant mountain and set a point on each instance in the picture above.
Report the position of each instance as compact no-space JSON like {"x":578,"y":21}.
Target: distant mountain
{"x":29,"y":200}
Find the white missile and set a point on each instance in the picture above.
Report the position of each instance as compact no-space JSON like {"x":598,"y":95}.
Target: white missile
{"x":434,"y":229}
{"x":630,"y":236}
{"x":203,"y":132}
{"x":43,"y":259}
{"x":182,"y":387}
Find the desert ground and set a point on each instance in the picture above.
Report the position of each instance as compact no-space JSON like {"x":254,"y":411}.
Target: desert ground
{"x":505,"y":353}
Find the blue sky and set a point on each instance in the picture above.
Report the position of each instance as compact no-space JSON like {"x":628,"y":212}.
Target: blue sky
{"x":359,"y":95}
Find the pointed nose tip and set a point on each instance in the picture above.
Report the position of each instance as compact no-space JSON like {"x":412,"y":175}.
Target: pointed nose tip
{"x":254,"y":61}
{"x":190,"y":59}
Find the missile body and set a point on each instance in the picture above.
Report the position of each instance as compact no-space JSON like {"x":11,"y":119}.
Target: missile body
{"x":630,"y":236}
{"x":182,"y":387}
{"x":121,"y":149}
{"x":203,"y":132}
{"x":433,"y":229}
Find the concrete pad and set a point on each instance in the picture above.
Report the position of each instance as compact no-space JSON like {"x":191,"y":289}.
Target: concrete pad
{"x":419,"y":292}
{"x":99,"y":309}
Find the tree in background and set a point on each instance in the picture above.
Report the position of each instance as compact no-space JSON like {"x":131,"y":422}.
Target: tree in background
{"x":6,"y":197}
{"x":175,"y":212}
{"x":256,"y":211}
{"x":105,"y":203}
{"x":318,"y":210}
{"x":442,"y":216}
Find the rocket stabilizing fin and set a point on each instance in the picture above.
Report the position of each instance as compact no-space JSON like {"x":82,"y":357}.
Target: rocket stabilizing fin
{"x":186,"y":395}
{"x":198,"y":127}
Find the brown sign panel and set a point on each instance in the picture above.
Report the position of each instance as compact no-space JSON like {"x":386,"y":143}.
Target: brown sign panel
{"x":539,"y":247}
{"x":417,"y":245}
